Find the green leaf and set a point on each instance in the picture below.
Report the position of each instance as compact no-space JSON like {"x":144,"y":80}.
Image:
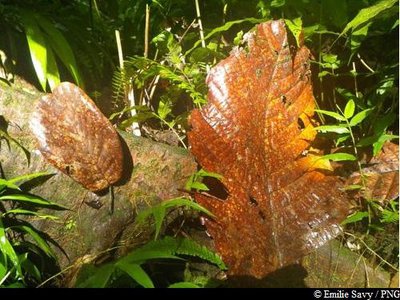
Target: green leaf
{"x":377,"y":146}
{"x":158,"y":213}
{"x":199,"y":186}
{"x":61,"y":47}
{"x":223,"y":28}
{"x":8,"y":184}
{"x":31,"y":199}
{"x":355,"y":217}
{"x":358,"y":36}
{"x":98,"y":278}
{"x":332,"y":114}
{"x":358,"y":118}
{"x":30,"y":267}
{"x":53,"y":76}
{"x":37,"y":47}
{"x":19,"y":211}
{"x":20,"y":179}
{"x":7,"y":250}
{"x":349,"y":109}
{"x":186,"y":202}
{"x":164,"y":109}
{"x":277,"y":3}
{"x":295,"y":26}
{"x":41,"y":243}
{"x":339,"y":157}
{"x":136,"y":272}
{"x":353,"y":187}
{"x":204,"y":173}
{"x":183,"y":285}
{"x":333,"y":128}
{"x":367,"y":14}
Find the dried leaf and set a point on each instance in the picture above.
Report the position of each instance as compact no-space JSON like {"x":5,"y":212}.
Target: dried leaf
{"x":75,"y":137}
{"x":381,"y":175}
{"x":255,"y":131}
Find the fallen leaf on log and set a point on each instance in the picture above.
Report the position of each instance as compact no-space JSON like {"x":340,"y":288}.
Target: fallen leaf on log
{"x":75,"y":137}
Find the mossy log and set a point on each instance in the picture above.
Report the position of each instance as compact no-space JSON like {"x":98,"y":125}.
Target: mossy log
{"x":156,"y":172}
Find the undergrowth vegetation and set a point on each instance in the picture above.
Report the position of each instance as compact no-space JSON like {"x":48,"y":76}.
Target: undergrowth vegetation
{"x":164,"y":50}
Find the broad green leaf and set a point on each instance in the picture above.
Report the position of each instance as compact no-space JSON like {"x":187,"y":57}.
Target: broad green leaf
{"x":53,"y":76}
{"x":37,"y":46}
{"x":353,"y":187}
{"x":355,"y":217}
{"x":339,"y":157}
{"x":223,"y":28}
{"x":377,"y":146}
{"x":141,"y":255}
{"x":185,"y":202}
{"x":278,"y":3}
{"x":7,"y":250}
{"x":332,"y":114}
{"x":358,"y":36}
{"x":18,"y":211}
{"x":136,"y":272}
{"x":20,"y":179}
{"x":61,"y":47}
{"x":3,"y":270}
{"x":41,"y":243}
{"x":158,"y":213}
{"x":8,"y":183}
{"x":389,"y":216}
{"x":358,"y":118}
{"x":204,"y":173}
{"x":29,"y":267}
{"x":199,"y":186}
{"x":333,"y":128}
{"x":349,"y":109}
{"x":295,"y":26}
{"x":367,"y":14}
{"x":342,"y":138}
{"x":183,"y":285}
{"x":164,"y":108}
{"x":99,"y":278}
{"x":31,"y":199}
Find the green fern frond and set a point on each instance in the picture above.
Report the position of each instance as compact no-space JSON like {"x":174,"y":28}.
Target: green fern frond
{"x":170,"y":246}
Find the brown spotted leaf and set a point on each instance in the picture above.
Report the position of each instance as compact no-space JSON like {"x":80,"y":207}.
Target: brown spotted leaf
{"x":75,"y":137}
{"x":381,"y":175}
{"x":255,"y":131}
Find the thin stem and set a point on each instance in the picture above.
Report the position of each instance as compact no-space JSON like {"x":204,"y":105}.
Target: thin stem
{"x":365,"y":64}
{"x":146,"y":32}
{"x":119,"y":48}
{"x":372,"y":251}
{"x":173,"y":130}
{"x":355,"y":79}
{"x":203,"y":43}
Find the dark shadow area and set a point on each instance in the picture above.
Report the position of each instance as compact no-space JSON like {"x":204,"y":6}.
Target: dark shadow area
{"x":288,"y":277}
{"x":127,"y":164}
{"x":217,"y":188}
{"x":35,"y":182}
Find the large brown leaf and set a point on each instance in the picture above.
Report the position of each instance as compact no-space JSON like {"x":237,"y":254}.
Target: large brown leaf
{"x":77,"y":138}
{"x":255,"y":131}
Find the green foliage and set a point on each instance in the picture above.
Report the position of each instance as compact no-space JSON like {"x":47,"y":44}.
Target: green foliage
{"x":21,"y":245}
{"x":159,"y":211}
{"x":131,"y":265}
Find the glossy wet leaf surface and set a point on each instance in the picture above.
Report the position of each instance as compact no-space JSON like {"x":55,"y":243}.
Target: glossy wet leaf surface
{"x":75,"y":137}
{"x":255,"y":131}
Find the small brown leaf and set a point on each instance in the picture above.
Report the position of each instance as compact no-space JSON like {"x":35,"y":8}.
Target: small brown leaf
{"x":255,"y":131}
{"x":381,"y":175}
{"x":75,"y":137}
